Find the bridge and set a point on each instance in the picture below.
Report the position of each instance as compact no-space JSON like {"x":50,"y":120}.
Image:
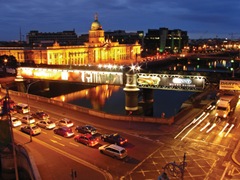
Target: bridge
{"x":132,"y":78}
{"x":115,"y":76}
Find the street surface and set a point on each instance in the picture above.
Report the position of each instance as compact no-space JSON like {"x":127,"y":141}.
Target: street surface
{"x":151,"y":147}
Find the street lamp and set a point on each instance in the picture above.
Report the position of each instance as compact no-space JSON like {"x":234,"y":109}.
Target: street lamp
{"x":5,"y":66}
{"x":28,"y":120}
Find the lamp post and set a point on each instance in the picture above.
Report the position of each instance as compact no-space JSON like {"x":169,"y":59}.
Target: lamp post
{"x":28,"y":86}
{"x":5,"y":66}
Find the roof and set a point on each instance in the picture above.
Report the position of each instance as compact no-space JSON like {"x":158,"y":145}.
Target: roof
{"x":114,"y":146}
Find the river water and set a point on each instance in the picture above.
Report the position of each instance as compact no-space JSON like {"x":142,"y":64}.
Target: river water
{"x":111,"y":99}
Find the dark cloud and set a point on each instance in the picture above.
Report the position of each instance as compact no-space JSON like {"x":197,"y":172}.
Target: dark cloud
{"x":215,"y":17}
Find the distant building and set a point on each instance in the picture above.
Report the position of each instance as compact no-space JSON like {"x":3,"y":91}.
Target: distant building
{"x":36,"y":38}
{"x":98,"y":49}
{"x":124,"y":37}
{"x":164,"y":40}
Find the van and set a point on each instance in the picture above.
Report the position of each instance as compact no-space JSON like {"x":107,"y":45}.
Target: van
{"x":22,"y":108}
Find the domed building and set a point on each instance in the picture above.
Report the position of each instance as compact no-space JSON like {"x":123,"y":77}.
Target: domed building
{"x":98,"y":50}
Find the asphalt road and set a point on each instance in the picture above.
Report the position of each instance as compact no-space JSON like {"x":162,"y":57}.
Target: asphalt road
{"x":151,"y":147}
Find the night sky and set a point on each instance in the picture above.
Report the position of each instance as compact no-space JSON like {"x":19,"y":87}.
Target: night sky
{"x":201,"y":19}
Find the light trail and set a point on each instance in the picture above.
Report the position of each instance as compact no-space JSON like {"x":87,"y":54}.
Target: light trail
{"x":201,"y":120}
{"x":229,"y":130}
{"x":209,"y":107}
{"x":184,"y":129}
{"x":205,"y":126}
{"x":214,"y":125}
{"x":193,"y":121}
{"x":223,"y":129}
{"x":213,"y":108}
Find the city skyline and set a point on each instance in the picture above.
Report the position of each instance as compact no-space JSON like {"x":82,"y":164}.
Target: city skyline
{"x":207,"y":19}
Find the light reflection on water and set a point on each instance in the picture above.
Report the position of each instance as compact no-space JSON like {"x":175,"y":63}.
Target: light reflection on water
{"x":111,"y":99}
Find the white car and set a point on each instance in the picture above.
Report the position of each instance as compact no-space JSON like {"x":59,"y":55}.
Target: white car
{"x":65,"y":122}
{"x":31,"y":129}
{"x":28,"y":119}
{"x":16,"y":122}
{"x":114,"y":151}
{"x":47,"y":124}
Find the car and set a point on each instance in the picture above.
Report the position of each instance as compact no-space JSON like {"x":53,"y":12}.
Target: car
{"x":114,"y":138}
{"x":114,"y":151}
{"x":28,"y":119}
{"x":47,"y":124}
{"x":40,"y":115}
{"x":21,"y":108}
{"x":16,"y":122}
{"x":65,"y":122}
{"x":86,"y":139}
{"x":64,"y":131}
{"x":86,"y":129}
{"x":32,"y":128}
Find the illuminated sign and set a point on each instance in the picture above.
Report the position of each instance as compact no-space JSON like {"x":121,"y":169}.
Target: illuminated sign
{"x":82,"y":76}
{"x":229,"y":85}
{"x":170,"y":81}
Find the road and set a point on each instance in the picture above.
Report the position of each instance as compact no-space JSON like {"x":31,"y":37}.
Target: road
{"x":90,"y":157}
{"x":150,"y":148}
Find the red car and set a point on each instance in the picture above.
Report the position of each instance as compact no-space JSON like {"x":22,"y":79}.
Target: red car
{"x":41,"y":115}
{"x":64,"y":131}
{"x":86,"y":139}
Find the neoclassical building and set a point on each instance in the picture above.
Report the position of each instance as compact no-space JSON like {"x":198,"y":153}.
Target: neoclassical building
{"x":98,"y":50}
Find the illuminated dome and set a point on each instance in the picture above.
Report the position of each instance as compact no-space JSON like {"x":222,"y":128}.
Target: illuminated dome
{"x":96,"y":24}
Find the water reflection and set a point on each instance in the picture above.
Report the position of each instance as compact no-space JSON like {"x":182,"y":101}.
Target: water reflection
{"x":97,"y":96}
{"x":111,"y":99}
{"x":204,"y":65}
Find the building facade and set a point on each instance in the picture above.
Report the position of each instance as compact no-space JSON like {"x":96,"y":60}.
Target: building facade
{"x":98,"y":49}
{"x":164,"y":40}
{"x":36,"y":38}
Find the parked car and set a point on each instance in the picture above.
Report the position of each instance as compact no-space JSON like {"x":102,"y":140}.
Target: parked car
{"x":114,"y":138}
{"x":16,"y":122}
{"x":86,"y":139}
{"x":86,"y":129}
{"x":65,"y":122}
{"x":28,"y":119}
{"x":47,"y":124}
{"x":113,"y":150}
{"x":21,"y":108}
{"x":40,"y":115}
{"x":32,"y":128}
{"x":64,"y":131}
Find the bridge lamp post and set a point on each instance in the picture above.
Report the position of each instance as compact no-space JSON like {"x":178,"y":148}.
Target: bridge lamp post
{"x":28,"y":120}
{"x":232,"y":68}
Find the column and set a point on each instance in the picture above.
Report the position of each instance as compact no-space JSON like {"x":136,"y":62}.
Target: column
{"x":131,"y":93}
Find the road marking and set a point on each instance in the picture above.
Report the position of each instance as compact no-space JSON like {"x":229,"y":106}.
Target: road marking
{"x":224,"y":173}
{"x":54,"y":141}
{"x":57,"y":137}
{"x":235,"y":171}
{"x":74,"y":144}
